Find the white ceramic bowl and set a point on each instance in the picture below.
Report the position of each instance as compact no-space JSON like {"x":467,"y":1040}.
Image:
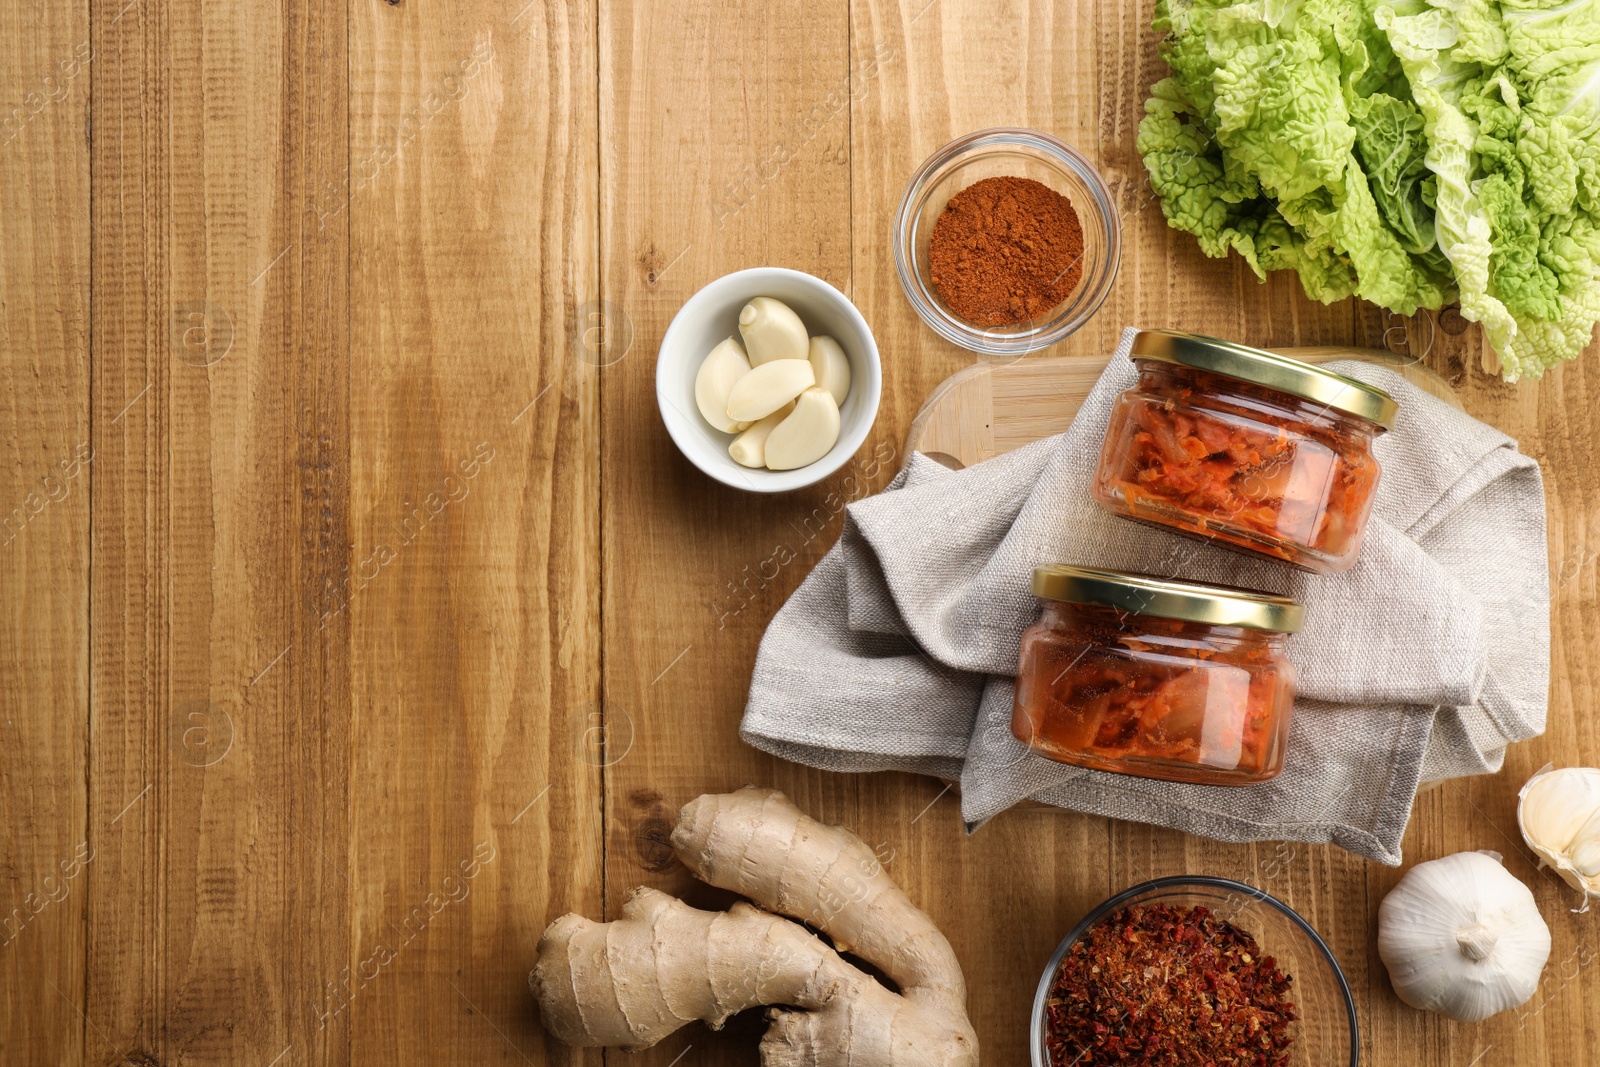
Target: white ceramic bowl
{"x":712,"y":315}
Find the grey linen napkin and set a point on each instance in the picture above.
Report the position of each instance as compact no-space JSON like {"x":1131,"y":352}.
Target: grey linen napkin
{"x":1421,"y":663}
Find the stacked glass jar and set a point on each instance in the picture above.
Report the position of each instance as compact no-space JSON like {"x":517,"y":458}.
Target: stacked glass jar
{"x":1176,"y":680}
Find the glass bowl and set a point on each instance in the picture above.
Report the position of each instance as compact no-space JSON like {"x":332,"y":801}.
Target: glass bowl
{"x":1325,"y":1034}
{"x":997,"y":153}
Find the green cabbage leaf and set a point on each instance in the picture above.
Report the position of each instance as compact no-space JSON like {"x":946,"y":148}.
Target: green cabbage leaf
{"x":1410,"y":152}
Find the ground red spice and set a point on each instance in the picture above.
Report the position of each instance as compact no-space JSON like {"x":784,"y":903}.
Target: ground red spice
{"x":1006,"y":250}
{"x":1158,"y":984}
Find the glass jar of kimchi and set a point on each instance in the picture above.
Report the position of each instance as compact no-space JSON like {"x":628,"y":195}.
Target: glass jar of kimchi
{"x":1247,"y":448}
{"x":1157,"y":678}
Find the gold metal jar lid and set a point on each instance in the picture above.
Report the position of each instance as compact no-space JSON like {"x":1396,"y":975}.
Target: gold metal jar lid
{"x":1215,"y":605}
{"x":1269,"y":369}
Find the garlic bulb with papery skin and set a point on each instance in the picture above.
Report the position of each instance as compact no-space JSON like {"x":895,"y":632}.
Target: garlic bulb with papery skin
{"x":1559,"y":814}
{"x":1462,"y":937}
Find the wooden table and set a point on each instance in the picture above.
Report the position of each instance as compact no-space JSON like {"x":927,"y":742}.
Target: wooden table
{"x":359,"y":617}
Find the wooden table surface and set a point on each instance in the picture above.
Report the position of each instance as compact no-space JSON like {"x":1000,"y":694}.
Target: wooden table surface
{"x":359,"y":616}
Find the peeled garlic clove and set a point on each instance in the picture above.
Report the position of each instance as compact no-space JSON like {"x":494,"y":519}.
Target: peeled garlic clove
{"x":831,"y":366}
{"x":1558,"y":812}
{"x":1461,"y":936}
{"x":807,"y":434}
{"x":767,"y":388}
{"x":771,"y":330}
{"x":749,"y":449}
{"x":724,"y":366}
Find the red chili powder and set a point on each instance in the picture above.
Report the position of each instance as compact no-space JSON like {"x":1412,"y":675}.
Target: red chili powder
{"x":1006,"y":250}
{"x":1174,"y":986}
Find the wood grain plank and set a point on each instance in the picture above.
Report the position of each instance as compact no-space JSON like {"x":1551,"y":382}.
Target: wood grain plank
{"x":928,"y":72}
{"x":473,"y":594}
{"x":219,"y":703}
{"x":725,"y":134}
{"x":45,"y":56}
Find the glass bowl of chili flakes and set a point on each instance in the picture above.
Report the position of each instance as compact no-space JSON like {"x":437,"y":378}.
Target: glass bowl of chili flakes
{"x":1194,"y":969}
{"x":1025,"y":270}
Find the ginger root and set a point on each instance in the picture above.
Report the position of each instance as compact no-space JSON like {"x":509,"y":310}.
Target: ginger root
{"x":662,"y":964}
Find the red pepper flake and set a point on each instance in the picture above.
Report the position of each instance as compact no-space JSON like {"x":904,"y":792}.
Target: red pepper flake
{"x":1159,"y":984}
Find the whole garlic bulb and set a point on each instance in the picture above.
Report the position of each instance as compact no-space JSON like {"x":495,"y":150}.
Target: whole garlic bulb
{"x":1559,"y":813}
{"x":1461,"y":936}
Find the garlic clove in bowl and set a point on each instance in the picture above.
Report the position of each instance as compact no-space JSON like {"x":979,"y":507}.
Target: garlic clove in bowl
{"x":749,"y":449}
{"x":1463,"y":937}
{"x":1558,"y":812}
{"x":768,"y":387}
{"x":806,"y":434}
{"x":832,"y":368}
{"x":771,"y":330}
{"x":718,"y":374}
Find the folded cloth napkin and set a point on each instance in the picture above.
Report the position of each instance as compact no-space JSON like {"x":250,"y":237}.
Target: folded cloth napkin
{"x":1420,"y":663}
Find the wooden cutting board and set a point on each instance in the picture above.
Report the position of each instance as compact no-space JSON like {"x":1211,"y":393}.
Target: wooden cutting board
{"x":993,"y":407}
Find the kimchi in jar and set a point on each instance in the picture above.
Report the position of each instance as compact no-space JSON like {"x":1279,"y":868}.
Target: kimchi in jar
{"x":1157,"y":678}
{"x":1255,"y":450}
